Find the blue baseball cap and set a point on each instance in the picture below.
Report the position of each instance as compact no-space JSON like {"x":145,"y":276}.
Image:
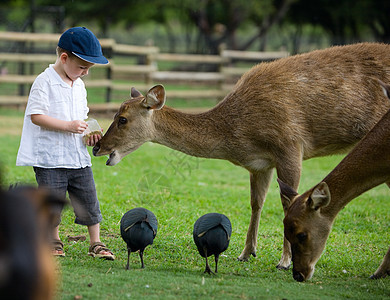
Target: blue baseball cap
{"x":83,"y":43}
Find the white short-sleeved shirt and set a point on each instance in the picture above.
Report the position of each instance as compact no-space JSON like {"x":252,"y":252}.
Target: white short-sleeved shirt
{"x":41,"y":147}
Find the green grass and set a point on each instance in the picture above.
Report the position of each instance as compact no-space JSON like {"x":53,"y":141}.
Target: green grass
{"x":179,"y":189}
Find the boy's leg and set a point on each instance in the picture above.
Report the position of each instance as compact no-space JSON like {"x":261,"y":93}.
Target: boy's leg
{"x":94,"y":233}
{"x":82,"y":193}
{"x":56,"y":233}
{"x":94,"y":236}
{"x":56,"y":181}
{"x":58,"y":246}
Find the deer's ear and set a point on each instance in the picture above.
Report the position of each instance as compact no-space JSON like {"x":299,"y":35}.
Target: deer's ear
{"x":155,"y":98}
{"x":135,"y":93}
{"x":287,"y":194}
{"x":320,"y":196}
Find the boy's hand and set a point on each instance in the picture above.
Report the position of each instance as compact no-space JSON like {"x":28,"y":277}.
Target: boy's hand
{"x":77,"y":126}
{"x":93,"y":139}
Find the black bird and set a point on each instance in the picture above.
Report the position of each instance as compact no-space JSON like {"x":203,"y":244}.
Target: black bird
{"x":212,"y":235}
{"x":138,"y":230}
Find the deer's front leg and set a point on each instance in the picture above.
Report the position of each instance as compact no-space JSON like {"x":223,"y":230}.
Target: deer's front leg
{"x":289,"y":170}
{"x":384,"y":268}
{"x":259,"y":185}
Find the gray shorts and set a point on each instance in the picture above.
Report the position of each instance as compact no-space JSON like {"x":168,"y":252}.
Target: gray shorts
{"x":81,"y":189}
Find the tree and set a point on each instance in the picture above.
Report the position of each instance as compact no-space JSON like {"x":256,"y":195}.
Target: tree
{"x":209,"y":23}
{"x":265,"y":16}
{"x":217,"y":21}
{"x":377,"y":17}
{"x":346,"y":21}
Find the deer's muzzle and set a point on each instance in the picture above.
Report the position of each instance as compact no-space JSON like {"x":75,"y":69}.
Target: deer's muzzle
{"x":96,"y":149}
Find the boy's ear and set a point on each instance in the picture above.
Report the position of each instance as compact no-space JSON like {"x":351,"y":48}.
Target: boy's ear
{"x":63,"y":57}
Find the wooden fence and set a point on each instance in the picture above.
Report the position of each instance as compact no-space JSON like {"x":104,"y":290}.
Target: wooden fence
{"x":203,"y":76}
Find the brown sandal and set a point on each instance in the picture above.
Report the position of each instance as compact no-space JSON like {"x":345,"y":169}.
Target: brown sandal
{"x":58,"y":248}
{"x":96,"y":249}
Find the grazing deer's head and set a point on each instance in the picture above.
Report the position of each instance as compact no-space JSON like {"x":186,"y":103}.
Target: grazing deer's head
{"x":306,"y":228}
{"x":132,"y":125}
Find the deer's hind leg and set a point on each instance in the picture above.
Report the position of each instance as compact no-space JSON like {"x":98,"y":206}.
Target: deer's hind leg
{"x":259,"y":182}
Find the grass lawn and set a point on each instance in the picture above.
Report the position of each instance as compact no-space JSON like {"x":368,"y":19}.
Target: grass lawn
{"x":179,"y":189}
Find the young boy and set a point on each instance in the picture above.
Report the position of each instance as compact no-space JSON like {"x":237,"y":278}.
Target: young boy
{"x":52,"y":133}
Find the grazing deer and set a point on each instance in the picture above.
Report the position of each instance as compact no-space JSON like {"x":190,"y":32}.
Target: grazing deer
{"x":279,"y":113}
{"x":310,"y":216}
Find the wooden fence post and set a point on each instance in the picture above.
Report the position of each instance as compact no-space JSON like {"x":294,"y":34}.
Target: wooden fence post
{"x":108,"y":53}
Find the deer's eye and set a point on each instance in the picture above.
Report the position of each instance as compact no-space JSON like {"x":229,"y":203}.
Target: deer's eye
{"x":122,"y":121}
{"x":302,"y":236}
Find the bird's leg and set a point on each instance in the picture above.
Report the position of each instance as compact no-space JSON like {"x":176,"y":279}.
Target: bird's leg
{"x":216,"y":262}
{"x":141,"y":255}
{"x":207,"y":270}
{"x":128,"y":258}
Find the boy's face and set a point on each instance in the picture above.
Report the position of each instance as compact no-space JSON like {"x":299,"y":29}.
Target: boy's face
{"x":75,"y":67}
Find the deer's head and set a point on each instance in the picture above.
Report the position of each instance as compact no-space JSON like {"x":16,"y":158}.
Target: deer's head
{"x":132,"y":125}
{"x":306,"y":227}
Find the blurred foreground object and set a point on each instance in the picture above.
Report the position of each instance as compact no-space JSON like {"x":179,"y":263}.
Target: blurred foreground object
{"x":27,"y":268}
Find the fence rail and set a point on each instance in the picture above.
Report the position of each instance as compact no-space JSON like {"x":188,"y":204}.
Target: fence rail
{"x":130,"y":63}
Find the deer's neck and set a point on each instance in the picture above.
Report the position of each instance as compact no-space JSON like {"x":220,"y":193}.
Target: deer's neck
{"x":202,"y":135}
{"x":365,"y":167}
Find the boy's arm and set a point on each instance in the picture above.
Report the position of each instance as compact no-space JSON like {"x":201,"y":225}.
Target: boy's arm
{"x":75,"y":126}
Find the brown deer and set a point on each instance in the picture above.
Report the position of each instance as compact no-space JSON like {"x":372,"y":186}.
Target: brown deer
{"x":310,"y":216}
{"x":279,"y":113}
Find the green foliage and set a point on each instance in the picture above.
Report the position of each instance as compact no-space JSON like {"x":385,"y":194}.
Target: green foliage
{"x":178,"y":189}
{"x":205,"y":25}
{"x":345,"y":21}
